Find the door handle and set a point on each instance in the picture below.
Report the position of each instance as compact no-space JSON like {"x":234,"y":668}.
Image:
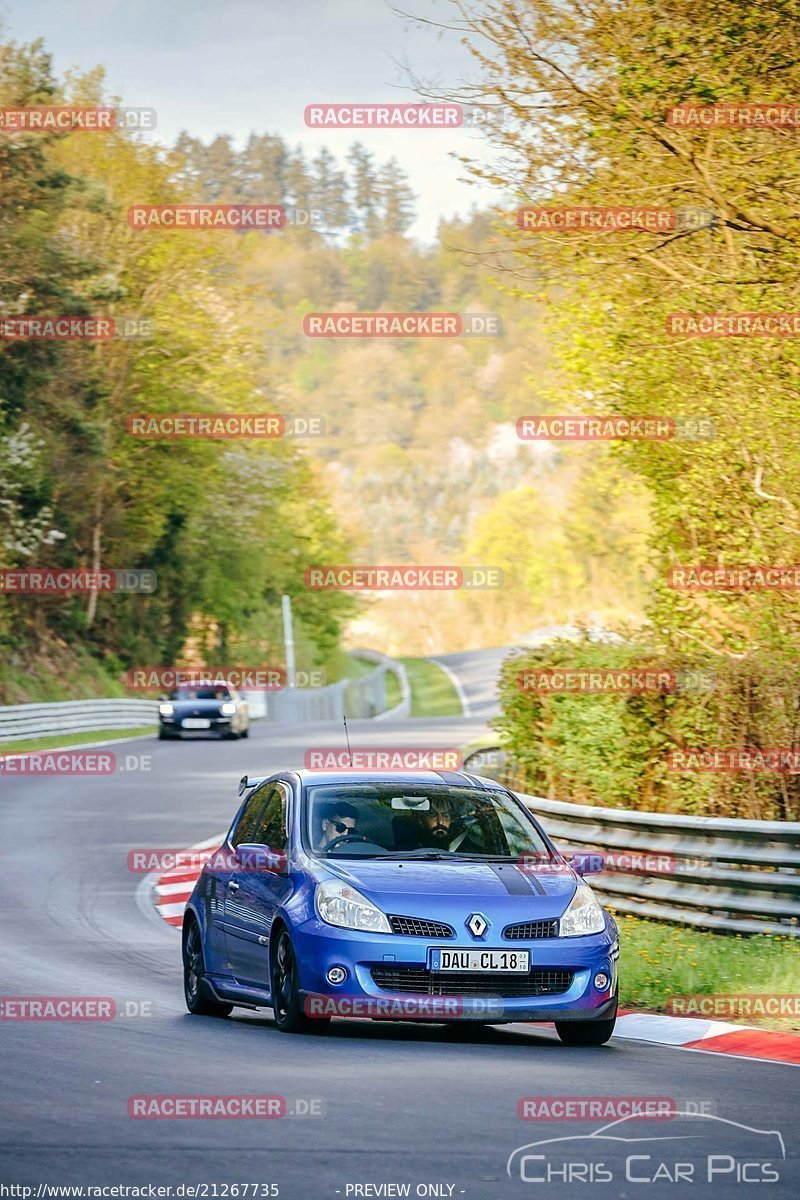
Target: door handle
{"x":233,"y":885}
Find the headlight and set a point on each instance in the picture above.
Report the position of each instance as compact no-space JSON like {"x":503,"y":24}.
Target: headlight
{"x":166,"y":710}
{"x":228,"y":709}
{"x":583,"y":915}
{"x":339,"y":904}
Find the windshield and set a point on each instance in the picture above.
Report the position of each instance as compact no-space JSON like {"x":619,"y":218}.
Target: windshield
{"x":201,"y":693}
{"x":394,"y":819}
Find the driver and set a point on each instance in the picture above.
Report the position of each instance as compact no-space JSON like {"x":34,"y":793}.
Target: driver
{"x":341,"y":820}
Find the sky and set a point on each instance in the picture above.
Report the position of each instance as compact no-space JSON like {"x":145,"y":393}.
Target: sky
{"x":233,"y":66}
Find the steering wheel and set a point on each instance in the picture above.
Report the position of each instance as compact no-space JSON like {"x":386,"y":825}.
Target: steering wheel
{"x":345,"y":837}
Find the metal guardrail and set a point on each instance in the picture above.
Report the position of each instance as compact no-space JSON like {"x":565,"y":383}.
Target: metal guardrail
{"x":19,"y":721}
{"x":364,"y":697}
{"x":726,"y":875}
{"x":383,"y":666}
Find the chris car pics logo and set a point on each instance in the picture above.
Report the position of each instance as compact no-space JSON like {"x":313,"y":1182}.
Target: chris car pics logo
{"x":697,"y":1148}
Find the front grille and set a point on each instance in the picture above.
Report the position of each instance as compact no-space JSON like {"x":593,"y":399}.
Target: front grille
{"x":419,"y":927}
{"x":531,"y":929}
{"x":422,"y":982}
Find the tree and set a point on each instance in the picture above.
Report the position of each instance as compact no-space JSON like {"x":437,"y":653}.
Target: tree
{"x":329,"y":191}
{"x":72,"y":479}
{"x":365,"y":191}
{"x":585,"y":88}
{"x":397,"y":199}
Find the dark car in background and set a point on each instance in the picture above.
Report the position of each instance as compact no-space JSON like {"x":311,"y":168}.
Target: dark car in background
{"x":204,"y":708}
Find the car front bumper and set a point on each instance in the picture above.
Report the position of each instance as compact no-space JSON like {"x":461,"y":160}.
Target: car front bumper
{"x":319,"y":947}
{"x":216,"y":725}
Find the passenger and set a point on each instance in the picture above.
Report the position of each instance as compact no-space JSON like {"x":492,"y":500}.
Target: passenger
{"x":436,"y":821}
{"x":441,"y":831}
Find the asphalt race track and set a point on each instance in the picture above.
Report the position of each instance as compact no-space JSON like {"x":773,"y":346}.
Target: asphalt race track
{"x":397,"y":1104}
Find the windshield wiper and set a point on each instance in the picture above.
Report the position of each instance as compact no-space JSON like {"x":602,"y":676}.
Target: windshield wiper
{"x":429,"y":854}
{"x":423,"y":854}
{"x":476,"y":856}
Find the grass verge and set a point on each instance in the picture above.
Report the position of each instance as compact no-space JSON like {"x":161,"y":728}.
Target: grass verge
{"x":393,"y":693}
{"x":432,"y":693}
{"x":75,"y":739}
{"x":658,"y":961}
{"x":59,"y":673}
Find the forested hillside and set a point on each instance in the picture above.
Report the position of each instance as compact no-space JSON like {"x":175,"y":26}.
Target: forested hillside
{"x":419,"y":461}
{"x":421,"y":452}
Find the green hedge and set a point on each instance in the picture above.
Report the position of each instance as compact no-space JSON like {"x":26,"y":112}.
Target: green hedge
{"x":613,"y":750}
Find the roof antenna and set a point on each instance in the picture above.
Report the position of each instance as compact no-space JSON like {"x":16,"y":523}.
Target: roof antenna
{"x":347,"y":736}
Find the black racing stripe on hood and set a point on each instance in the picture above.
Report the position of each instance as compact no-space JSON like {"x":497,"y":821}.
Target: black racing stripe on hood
{"x":515,"y":881}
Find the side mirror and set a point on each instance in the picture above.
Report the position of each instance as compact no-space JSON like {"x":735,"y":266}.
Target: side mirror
{"x":258,"y":859}
{"x":587,"y":864}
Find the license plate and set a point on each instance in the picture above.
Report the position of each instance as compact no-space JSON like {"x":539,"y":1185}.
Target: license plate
{"x":508,"y":961}
{"x":196,"y":723}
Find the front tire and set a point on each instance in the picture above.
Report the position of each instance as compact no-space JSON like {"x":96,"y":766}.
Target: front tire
{"x":587,"y":1033}
{"x":287,"y":1006}
{"x":199,"y":999}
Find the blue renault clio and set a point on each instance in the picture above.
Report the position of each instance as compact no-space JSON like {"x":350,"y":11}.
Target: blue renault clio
{"x":429,"y":895}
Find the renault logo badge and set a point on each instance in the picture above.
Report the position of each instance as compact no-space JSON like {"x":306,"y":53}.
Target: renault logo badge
{"x":477,"y":925}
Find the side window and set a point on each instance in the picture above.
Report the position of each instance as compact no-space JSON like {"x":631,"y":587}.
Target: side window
{"x":245,"y":826}
{"x":271,"y":829}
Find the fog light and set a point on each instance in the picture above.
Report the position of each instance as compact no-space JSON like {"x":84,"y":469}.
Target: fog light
{"x":336,"y":975}
{"x":601,"y":981}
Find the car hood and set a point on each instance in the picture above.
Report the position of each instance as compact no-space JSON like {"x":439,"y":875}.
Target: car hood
{"x":436,"y":889}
